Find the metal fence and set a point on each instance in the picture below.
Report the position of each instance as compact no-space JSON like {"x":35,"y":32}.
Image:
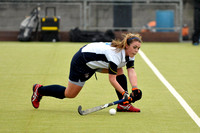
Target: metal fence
{"x":90,"y":14}
{"x":12,"y":14}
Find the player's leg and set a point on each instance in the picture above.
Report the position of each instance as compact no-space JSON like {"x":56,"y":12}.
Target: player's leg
{"x":56,"y":91}
{"x":73,"y":89}
{"x":122,"y":80}
{"x":39,"y":91}
{"x":75,"y":84}
{"x":79,"y":73}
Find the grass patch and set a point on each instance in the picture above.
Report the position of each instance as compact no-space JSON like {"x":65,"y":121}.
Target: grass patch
{"x":23,"y":64}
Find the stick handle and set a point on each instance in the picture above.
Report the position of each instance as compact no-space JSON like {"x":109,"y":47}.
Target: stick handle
{"x":119,"y":101}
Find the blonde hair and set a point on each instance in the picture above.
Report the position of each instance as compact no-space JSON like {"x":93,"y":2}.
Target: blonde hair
{"x":127,"y":40}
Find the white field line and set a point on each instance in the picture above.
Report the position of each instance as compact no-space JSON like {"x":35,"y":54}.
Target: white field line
{"x":183,"y":103}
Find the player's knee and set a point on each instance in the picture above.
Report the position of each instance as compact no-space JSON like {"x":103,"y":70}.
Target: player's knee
{"x":67,"y":95}
{"x":120,"y":71}
{"x":70,"y":96}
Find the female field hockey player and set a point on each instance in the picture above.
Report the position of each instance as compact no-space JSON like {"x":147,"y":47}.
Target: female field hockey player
{"x":100,"y":57}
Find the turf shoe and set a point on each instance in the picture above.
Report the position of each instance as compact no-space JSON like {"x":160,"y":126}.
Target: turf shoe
{"x":127,"y":108}
{"x":36,"y":97}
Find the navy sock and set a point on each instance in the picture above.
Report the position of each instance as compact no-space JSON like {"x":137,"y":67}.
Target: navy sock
{"x":121,"y":79}
{"x":56,"y":91}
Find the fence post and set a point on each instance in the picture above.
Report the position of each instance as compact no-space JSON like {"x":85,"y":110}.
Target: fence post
{"x":85,"y":15}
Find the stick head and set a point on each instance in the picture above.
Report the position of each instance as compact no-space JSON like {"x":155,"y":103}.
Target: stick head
{"x":80,"y":110}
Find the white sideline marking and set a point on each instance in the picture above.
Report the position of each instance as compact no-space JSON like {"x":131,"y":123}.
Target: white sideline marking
{"x":183,"y":103}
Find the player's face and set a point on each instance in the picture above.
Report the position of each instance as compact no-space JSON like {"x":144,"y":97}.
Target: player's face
{"x":132,"y":49}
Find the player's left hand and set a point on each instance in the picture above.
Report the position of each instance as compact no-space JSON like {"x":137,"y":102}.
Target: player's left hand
{"x":136,"y":94}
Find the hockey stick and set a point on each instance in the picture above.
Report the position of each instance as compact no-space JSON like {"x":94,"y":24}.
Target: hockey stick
{"x":94,"y":109}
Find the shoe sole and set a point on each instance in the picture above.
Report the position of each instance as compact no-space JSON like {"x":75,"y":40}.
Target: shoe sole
{"x":126,"y":111}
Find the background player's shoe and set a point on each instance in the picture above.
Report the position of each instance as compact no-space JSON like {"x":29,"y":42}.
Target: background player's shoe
{"x":127,"y":108}
{"x":36,"y":97}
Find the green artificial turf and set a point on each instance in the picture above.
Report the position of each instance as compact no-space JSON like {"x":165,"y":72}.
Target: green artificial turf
{"x":27,"y":63}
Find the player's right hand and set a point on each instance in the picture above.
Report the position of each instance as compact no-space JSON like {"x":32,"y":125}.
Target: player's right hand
{"x":126,"y":97}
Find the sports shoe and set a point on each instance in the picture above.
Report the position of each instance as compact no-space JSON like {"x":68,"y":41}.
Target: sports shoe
{"x":36,"y":97}
{"x":127,"y":108}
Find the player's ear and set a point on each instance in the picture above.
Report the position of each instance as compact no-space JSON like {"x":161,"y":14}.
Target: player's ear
{"x":127,"y":46}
